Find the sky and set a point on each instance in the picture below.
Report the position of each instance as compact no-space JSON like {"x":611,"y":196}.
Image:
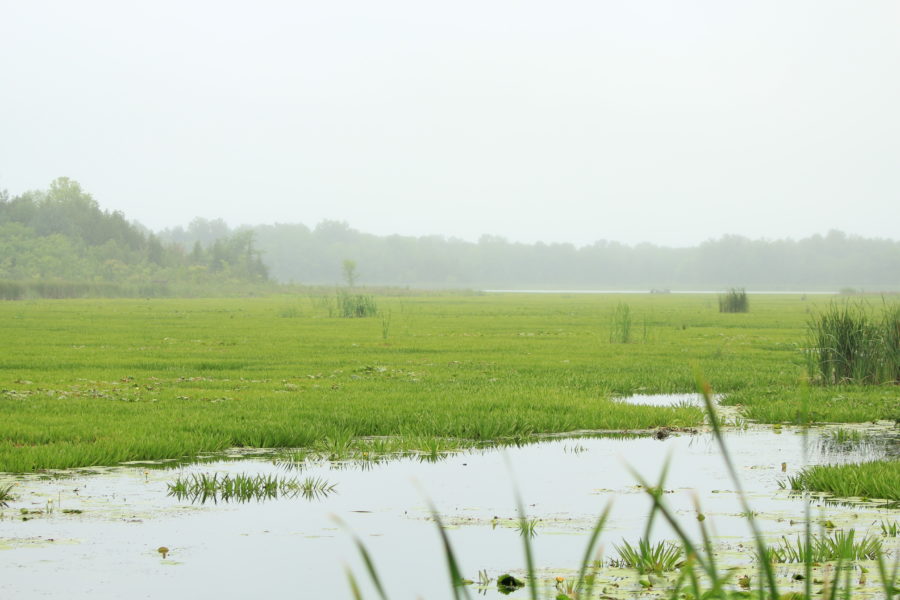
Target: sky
{"x":659,"y":121}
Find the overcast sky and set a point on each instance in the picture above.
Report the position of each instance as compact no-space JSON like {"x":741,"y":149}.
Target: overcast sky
{"x":660,"y":120}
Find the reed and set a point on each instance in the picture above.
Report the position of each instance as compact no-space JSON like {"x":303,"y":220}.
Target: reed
{"x":850,"y":343}
{"x":734,"y":301}
{"x":350,"y":306}
{"x":620,"y":330}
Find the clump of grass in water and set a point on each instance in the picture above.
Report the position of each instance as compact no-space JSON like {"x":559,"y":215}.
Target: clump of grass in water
{"x":891,"y":529}
{"x":527,"y":527}
{"x":6,"y":495}
{"x":850,"y":344}
{"x":840,"y":545}
{"x":734,"y":301}
{"x":649,"y":558}
{"x":243,"y":488}
{"x":875,"y":479}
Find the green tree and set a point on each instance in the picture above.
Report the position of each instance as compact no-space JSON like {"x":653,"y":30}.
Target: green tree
{"x":350,"y":274}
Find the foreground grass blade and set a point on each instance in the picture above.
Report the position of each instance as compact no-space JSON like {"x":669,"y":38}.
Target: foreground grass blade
{"x":589,"y":550}
{"x":354,"y":586}
{"x":706,"y":392}
{"x":367,"y":560}
{"x":456,"y":578}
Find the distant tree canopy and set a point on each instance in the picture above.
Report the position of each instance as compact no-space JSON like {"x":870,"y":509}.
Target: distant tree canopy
{"x":297,"y":253}
{"x":62,"y":234}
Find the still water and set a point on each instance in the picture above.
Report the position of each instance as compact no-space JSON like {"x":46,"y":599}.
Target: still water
{"x":294,"y":547}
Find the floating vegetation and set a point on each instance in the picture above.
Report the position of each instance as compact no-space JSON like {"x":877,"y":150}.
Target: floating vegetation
{"x":649,"y":558}
{"x":875,"y":479}
{"x":840,"y":545}
{"x":204,"y":488}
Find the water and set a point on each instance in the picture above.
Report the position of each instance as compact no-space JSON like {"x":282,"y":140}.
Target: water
{"x":773,"y":292}
{"x":294,"y":547}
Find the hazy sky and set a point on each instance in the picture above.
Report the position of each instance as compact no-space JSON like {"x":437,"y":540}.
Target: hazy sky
{"x":668,"y":121}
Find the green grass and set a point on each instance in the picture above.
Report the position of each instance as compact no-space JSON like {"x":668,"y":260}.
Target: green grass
{"x":877,"y":479}
{"x":839,"y":545}
{"x":6,"y":495}
{"x":734,"y":301}
{"x":91,"y":382}
{"x":649,"y":558}
{"x":850,"y":342}
{"x":203,"y":487}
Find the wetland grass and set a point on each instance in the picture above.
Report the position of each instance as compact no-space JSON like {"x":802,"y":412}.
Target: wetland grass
{"x":838,"y":545}
{"x":203,"y":487}
{"x":6,"y":495}
{"x":878,"y":479}
{"x":734,"y":301}
{"x":645,"y":557}
{"x":106,"y":381}
{"x":620,"y":330}
{"x":850,"y":343}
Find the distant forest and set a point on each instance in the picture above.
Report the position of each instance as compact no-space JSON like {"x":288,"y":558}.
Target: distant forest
{"x":59,"y":242}
{"x":296,"y":253}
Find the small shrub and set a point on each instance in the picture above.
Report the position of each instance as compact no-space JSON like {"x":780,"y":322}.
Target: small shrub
{"x":734,"y":301}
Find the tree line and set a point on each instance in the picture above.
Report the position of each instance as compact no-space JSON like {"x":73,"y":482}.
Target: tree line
{"x":56,"y":241}
{"x":62,"y":235}
{"x":297,"y":253}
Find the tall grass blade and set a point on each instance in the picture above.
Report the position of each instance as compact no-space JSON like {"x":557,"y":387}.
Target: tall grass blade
{"x":367,"y":559}
{"x":761,"y":549}
{"x":456,"y":577}
{"x":589,"y":551}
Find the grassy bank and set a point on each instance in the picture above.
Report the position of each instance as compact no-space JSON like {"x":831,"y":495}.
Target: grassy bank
{"x":86,"y":382}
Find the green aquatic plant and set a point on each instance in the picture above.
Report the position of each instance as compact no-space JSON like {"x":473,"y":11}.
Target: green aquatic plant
{"x":839,"y":545}
{"x":848,"y":343}
{"x":527,"y":527}
{"x":890,"y":529}
{"x":845,"y":436}
{"x":204,"y":487}
{"x":874,"y":479}
{"x":6,"y":495}
{"x":649,"y":558}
